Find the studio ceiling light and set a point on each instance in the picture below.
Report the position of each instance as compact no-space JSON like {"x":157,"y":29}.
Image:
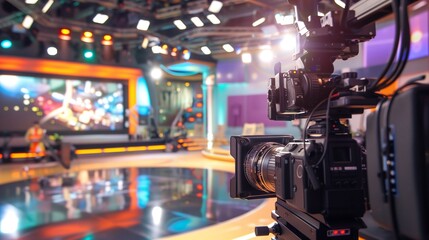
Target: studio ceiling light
{"x":143,"y":25}
{"x":30,"y":1}
{"x":47,"y":6}
{"x":206,"y":50}
{"x":213,"y":19}
{"x":87,"y":37}
{"x":197,"y":21}
{"x":27,"y":22}
{"x":179,"y":24}
{"x":340,"y":3}
{"x":107,"y":40}
{"x":228,"y":48}
{"x":215,"y":6}
{"x":100,"y":18}
{"x":64,"y":34}
{"x":258,"y":22}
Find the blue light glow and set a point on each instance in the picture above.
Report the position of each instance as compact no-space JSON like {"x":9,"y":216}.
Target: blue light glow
{"x":88,"y":54}
{"x":143,"y":100}
{"x":6,"y":44}
{"x":143,"y":190}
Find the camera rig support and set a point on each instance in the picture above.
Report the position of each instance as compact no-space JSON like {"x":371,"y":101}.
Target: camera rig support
{"x":319,"y":181}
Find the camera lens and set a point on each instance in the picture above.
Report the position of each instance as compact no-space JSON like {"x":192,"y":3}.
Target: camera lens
{"x":260,"y":166}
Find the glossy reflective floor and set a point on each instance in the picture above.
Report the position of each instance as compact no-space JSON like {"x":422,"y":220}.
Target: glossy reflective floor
{"x":118,"y":203}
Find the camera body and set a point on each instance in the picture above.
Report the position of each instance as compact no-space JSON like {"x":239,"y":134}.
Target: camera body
{"x":335,"y":188}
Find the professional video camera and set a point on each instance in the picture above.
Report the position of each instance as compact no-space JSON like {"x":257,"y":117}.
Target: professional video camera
{"x":320,"y":181}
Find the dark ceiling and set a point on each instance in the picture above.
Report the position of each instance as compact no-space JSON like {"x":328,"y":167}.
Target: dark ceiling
{"x":236,"y":18}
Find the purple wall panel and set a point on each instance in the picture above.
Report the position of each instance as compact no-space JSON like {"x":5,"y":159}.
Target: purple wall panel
{"x":377,"y":51}
{"x":249,"y":109}
{"x":229,"y":71}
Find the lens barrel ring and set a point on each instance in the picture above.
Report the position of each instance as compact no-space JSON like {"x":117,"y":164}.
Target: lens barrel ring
{"x":259,"y":166}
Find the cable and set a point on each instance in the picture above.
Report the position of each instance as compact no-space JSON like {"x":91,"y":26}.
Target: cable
{"x":395,"y":46}
{"x":325,"y":146}
{"x":404,"y":47}
{"x":327,"y":125}
{"x":400,"y":33}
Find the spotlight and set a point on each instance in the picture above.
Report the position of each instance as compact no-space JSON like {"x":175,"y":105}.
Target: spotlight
{"x":179,"y":24}
{"x":6,"y":44}
{"x":246,"y":58}
{"x":258,"y":22}
{"x":228,"y":48}
{"x":266,"y":55}
{"x":213,"y":19}
{"x":215,"y":6}
{"x":143,"y":25}
{"x":156,"y":73}
{"x":87,"y":37}
{"x":288,"y":42}
{"x":206,"y":50}
{"x":65,"y":34}
{"x":107,"y":40}
{"x":27,"y":22}
{"x":284,"y":19}
{"x":52,"y":51}
{"x":156,"y":49}
{"x":174,"y":52}
{"x":197,"y":21}
{"x":100,"y":18}
{"x":47,"y":6}
{"x":186,"y":54}
{"x":340,"y":3}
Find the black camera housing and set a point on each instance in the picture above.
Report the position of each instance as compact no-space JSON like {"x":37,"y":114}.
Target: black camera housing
{"x":341,"y":175}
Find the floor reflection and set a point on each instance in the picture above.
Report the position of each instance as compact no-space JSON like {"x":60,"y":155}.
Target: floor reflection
{"x":128,"y":203}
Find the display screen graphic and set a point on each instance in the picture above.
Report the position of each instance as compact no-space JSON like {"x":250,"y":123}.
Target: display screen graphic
{"x":61,"y":104}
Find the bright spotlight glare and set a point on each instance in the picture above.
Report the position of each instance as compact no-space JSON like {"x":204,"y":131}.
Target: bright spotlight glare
{"x":246,"y":58}
{"x":10,"y":221}
{"x":9,"y":81}
{"x":156,"y":73}
{"x":288,"y":42}
{"x":157,"y":215}
{"x":266,"y":55}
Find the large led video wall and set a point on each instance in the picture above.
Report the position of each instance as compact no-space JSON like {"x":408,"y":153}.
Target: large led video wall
{"x":61,"y":104}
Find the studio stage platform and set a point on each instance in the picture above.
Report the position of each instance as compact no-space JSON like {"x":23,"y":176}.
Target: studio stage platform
{"x":169,"y":196}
